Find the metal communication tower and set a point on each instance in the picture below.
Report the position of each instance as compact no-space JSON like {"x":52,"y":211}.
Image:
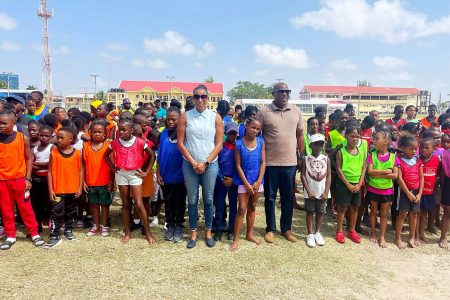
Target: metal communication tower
{"x":46,"y":63}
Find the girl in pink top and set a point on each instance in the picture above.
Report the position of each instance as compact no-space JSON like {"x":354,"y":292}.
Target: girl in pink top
{"x":410,"y":181}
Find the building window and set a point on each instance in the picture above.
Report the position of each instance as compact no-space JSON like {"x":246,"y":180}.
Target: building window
{"x":137,"y":96}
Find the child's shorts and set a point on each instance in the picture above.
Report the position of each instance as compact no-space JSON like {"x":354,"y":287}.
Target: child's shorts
{"x":128,"y":177}
{"x":99,"y":195}
{"x":404,"y":204}
{"x":380,"y":199}
{"x":346,"y":197}
{"x":243,"y":190}
{"x":427,"y":203}
{"x":316,"y":205}
{"x":445,"y":198}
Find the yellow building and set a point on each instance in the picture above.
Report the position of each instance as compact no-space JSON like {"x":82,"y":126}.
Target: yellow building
{"x":382,"y":99}
{"x":146,"y":91}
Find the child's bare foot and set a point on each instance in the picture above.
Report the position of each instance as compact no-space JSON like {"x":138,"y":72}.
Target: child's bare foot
{"x":373,"y":238}
{"x":412,"y":243}
{"x":150,"y":239}
{"x":125,"y":239}
{"x":234,"y":246}
{"x":400,"y":244}
{"x":443,"y":244}
{"x":424,"y":239}
{"x":382,"y":243}
{"x":432,"y":230}
{"x":417,"y":242}
{"x":254,"y":239}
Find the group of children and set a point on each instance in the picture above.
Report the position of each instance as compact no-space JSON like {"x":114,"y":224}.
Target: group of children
{"x":69,"y":163}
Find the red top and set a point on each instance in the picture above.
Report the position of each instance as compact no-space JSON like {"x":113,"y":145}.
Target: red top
{"x":367,"y":136}
{"x":410,"y":173}
{"x":129,"y":158}
{"x":430,"y":169}
{"x":400,"y":122}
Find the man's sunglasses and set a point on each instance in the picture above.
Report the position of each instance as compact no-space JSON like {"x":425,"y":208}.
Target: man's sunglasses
{"x":203,"y":97}
{"x":283,"y":91}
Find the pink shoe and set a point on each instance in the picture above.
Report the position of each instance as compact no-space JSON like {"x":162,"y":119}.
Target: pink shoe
{"x":340,"y":237}
{"x":93,"y":231}
{"x":354,"y":236}
{"x":105,"y":231}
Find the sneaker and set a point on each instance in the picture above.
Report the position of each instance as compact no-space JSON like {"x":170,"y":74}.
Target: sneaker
{"x":310,"y":241}
{"x":168,"y":235}
{"x":319,"y":239}
{"x":105,"y":231}
{"x":210,"y":242}
{"x":218,"y":236}
{"x":191,"y":244}
{"x":134,"y":226}
{"x":69,"y":235}
{"x":154,"y":222}
{"x":93,"y":231}
{"x":178,"y":234}
{"x":53,"y":242}
{"x":353,"y":235}
{"x":340,"y":237}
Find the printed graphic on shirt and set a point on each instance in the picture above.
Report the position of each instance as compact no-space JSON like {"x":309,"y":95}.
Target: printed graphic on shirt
{"x":316,"y":168}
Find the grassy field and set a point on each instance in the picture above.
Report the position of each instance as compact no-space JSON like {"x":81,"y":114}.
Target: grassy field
{"x":103,"y":268}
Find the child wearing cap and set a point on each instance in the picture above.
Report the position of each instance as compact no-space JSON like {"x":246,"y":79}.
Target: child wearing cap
{"x":316,"y":179}
{"x":225,"y":184}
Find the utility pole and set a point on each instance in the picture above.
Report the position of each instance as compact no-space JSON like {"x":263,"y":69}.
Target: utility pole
{"x":95,"y":84}
{"x":46,"y":62}
{"x":170,"y":78}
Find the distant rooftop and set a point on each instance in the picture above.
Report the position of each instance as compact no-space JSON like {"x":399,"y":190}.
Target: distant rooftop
{"x":358,"y":89}
{"x":164,"y":86}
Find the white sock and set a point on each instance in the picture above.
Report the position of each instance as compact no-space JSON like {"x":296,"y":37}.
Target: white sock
{"x":136,"y":221}
{"x":35,"y":237}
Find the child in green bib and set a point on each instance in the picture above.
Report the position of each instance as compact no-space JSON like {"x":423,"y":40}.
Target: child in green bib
{"x":350,"y":166}
{"x":382,"y":168}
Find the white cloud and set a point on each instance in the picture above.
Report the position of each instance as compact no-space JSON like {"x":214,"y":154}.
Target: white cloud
{"x":9,"y":46}
{"x":285,"y":57}
{"x":262,"y":72}
{"x":116,"y":47}
{"x":343,"y":64}
{"x":61,"y":50}
{"x":390,"y":63}
{"x":388,"y":20}
{"x":6,"y":22}
{"x":198,"y":65}
{"x":232,"y":70}
{"x":423,"y":44}
{"x":175,"y":43}
{"x":331,"y":78}
{"x":396,"y":76}
{"x":206,"y":49}
{"x":157,"y":63}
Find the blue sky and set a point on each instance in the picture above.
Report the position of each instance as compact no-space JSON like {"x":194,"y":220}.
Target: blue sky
{"x":330,"y":42}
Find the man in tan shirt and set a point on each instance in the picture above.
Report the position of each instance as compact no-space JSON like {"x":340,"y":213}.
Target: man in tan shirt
{"x":282,"y":128}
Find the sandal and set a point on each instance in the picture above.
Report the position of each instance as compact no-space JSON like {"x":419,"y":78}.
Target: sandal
{"x":38,"y":241}
{"x":6,"y":245}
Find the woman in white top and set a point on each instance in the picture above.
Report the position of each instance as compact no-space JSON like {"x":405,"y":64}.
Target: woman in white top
{"x":200,"y":138}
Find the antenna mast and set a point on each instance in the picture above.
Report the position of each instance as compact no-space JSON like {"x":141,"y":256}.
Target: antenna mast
{"x":46,"y":63}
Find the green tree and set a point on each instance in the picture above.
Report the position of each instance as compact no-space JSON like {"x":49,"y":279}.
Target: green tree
{"x":31,"y":88}
{"x":209,"y":79}
{"x":101,"y":95}
{"x":3,"y":85}
{"x":249,"y":90}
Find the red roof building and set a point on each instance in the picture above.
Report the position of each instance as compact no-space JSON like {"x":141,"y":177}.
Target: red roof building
{"x":145,"y":91}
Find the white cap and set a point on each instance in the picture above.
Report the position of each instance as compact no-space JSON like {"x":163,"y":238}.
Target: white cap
{"x":316,"y":138}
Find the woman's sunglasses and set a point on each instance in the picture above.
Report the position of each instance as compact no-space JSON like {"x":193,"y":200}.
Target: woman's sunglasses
{"x":203,"y":97}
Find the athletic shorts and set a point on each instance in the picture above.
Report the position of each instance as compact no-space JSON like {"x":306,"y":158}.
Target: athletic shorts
{"x":404,"y":204}
{"x":243,"y":190}
{"x":99,"y":195}
{"x":380,"y":199}
{"x":315,"y":205}
{"x":128,"y":177}
{"x":346,"y":197}
{"x":427,"y":203}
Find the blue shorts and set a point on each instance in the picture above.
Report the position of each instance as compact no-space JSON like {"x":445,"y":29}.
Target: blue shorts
{"x":427,"y":203}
